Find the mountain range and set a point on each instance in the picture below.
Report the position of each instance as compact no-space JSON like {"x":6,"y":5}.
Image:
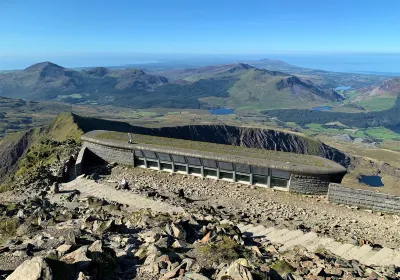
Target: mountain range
{"x":231,"y":85}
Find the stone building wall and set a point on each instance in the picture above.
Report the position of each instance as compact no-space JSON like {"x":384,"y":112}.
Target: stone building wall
{"x":309,"y":184}
{"x":110,"y":154}
{"x":364,"y":198}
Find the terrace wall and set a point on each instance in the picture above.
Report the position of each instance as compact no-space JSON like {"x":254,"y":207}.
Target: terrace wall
{"x":364,"y":198}
{"x":309,"y":184}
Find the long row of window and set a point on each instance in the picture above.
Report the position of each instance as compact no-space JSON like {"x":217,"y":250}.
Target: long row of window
{"x":212,"y":168}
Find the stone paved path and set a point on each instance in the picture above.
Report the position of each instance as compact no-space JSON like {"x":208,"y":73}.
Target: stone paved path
{"x":287,"y":238}
{"x":134,"y":201}
{"x":290,"y":238}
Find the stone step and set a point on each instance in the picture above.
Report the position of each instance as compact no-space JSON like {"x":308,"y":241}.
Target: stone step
{"x":356,"y":253}
{"x":272,"y":236}
{"x":289,"y":236}
{"x":240,"y":226}
{"x":378,"y":257}
{"x":364,"y":254}
{"x":333,"y":246}
{"x":300,"y":240}
{"x":244,"y":229}
{"x":388,"y":260}
{"x":319,"y":242}
{"x":264,"y":232}
{"x":396,"y":260}
{"x":253,"y":230}
{"x":342,"y":250}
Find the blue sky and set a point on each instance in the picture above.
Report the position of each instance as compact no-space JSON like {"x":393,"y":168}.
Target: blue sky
{"x":113,"y":30}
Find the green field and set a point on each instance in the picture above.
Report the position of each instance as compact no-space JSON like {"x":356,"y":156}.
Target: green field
{"x":382,"y":133}
{"x":378,"y":104}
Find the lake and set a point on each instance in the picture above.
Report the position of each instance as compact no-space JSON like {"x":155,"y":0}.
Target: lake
{"x":222,"y":111}
{"x":343,"y":88}
{"x":322,"y":108}
{"x":371,"y":180}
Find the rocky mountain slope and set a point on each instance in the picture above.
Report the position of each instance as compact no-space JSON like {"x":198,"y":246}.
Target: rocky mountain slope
{"x":258,"y":88}
{"x":44,"y":81}
{"x":382,"y":96}
{"x":11,"y":150}
{"x":232,"y":85}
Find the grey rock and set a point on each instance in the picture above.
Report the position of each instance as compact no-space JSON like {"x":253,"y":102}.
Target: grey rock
{"x":55,"y":188}
{"x":97,"y":247}
{"x":33,"y":269}
{"x":195,"y":276}
{"x":78,"y":257}
{"x":235,"y":271}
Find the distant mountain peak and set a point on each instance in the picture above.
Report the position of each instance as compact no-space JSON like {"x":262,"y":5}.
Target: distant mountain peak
{"x":240,"y":67}
{"x":97,"y":71}
{"x":43,"y":66}
{"x":275,"y":61}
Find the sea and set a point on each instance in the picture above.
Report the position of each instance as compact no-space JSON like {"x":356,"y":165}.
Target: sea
{"x":380,"y":64}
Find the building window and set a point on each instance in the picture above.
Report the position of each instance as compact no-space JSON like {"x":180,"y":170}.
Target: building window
{"x":242,"y":168}
{"x":153,"y":164}
{"x":150,"y":154}
{"x":138,"y":153}
{"x":210,"y":172}
{"x":164,"y":157}
{"x":225,"y":165}
{"x":260,"y":170}
{"x":194,"y":170}
{"x":243,"y":178}
{"x":226,"y":175}
{"x":178,"y":159}
{"x":181,"y":168}
{"x":139,"y":162}
{"x":209,"y":163}
{"x":166,"y":166}
{"x":280,"y":174}
{"x":261,"y":180}
{"x":193,"y":161}
{"x":277,"y":182}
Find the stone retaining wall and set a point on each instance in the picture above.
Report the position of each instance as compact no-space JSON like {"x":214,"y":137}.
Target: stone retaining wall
{"x":80,"y":161}
{"x":364,"y":198}
{"x":308,"y":184}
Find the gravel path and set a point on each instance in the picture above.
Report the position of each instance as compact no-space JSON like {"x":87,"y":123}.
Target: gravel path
{"x":107,"y":191}
{"x":268,"y":207}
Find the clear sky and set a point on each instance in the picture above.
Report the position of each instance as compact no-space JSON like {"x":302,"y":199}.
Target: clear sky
{"x":38,"y":29}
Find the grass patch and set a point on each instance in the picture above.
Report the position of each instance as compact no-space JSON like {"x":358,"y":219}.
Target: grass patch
{"x":225,"y":250}
{"x":282,"y":267}
{"x":378,"y":104}
{"x":8,"y":228}
{"x":382,"y":133}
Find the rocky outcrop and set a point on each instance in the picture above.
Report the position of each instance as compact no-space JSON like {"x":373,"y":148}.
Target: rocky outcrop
{"x":297,"y":85}
{"x":11,"y":149}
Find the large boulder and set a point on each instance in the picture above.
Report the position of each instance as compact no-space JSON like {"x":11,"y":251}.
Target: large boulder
{"x":236,"y":271}
{"x":33,"y":269}
{"x":78,"y":257}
